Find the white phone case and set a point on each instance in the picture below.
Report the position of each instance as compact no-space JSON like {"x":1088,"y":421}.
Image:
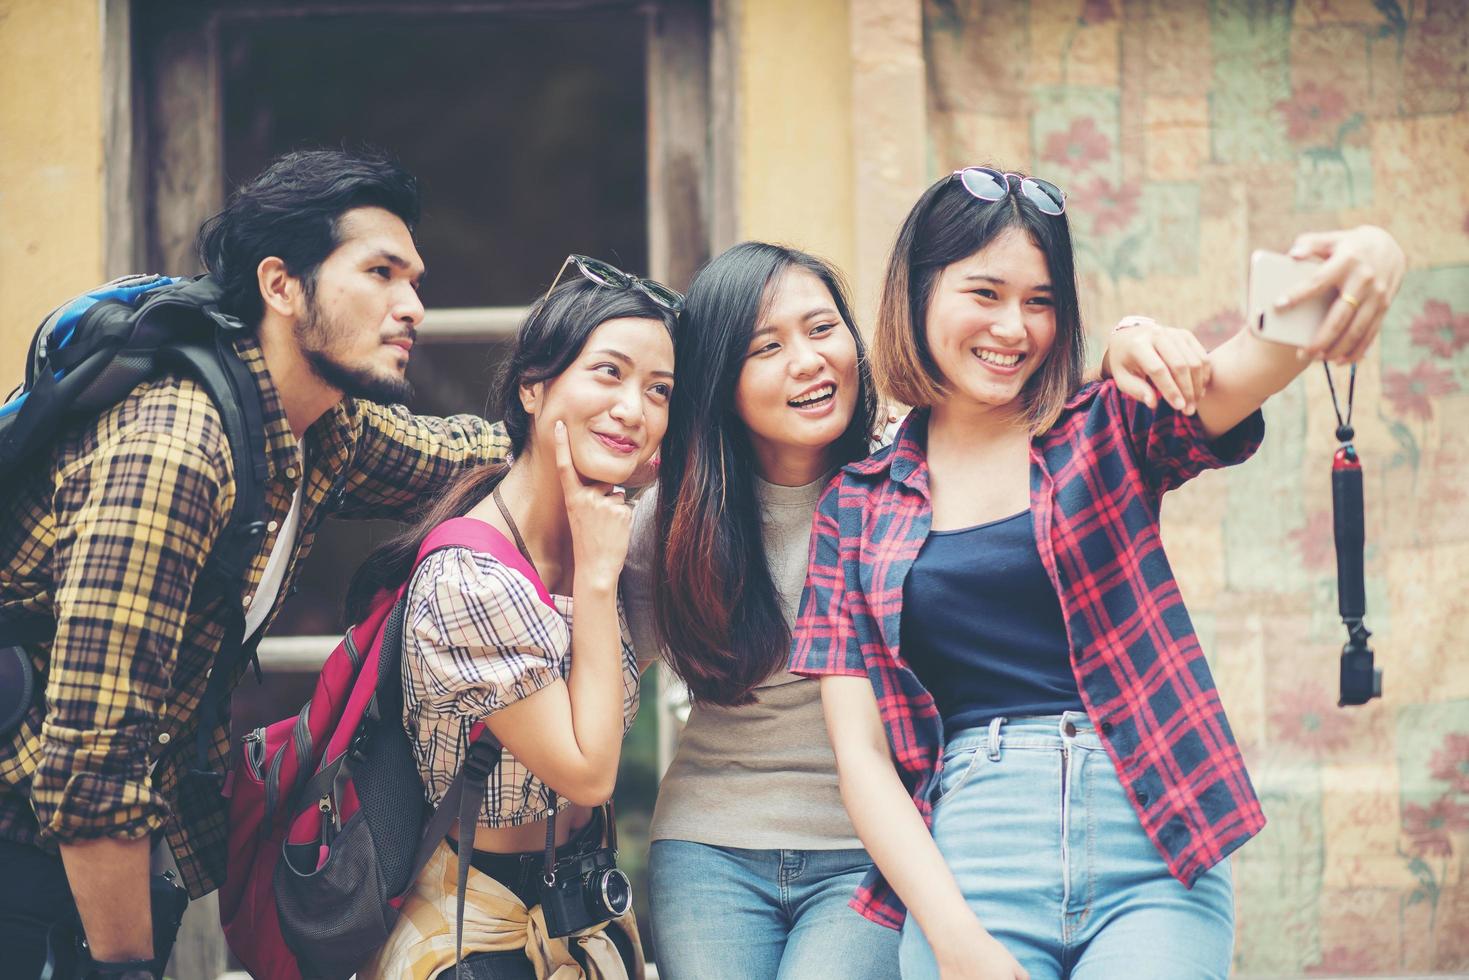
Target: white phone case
{"x":1272,"y":275}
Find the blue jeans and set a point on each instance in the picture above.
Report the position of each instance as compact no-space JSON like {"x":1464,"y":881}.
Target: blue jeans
{"x":1049,"y":853}
{"x":740,"y":914}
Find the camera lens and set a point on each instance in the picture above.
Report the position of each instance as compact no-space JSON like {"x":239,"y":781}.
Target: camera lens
{"x":616,"y":892}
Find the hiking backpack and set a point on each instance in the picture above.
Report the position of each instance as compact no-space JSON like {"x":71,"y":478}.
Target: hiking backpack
{"x":88,"y":355}
{"x":328,"y":824}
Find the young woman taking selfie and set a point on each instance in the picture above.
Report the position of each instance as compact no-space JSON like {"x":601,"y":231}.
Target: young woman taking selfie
{"x":1002,"y":647}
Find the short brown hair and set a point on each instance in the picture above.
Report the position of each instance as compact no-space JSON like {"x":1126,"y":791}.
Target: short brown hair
{"x":946,"y":225}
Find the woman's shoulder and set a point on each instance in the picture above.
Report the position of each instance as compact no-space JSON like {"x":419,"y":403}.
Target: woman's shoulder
{"x":461,"y":576}
{"x":1095,"y":403}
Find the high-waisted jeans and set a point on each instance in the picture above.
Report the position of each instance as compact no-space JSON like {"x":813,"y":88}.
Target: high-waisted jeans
{"x":1048,"y":851}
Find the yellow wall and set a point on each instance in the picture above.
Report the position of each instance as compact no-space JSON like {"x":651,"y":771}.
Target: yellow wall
{"x":51,"y":217}
{"x":794,"y":146}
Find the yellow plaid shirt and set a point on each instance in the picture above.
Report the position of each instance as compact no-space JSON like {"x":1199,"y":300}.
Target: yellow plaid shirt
{"x":109,"y":534}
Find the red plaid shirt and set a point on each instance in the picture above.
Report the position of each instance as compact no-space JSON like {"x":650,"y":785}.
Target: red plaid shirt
{"x":1096,"y":483}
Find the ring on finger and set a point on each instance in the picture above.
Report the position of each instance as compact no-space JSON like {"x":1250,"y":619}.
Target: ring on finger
{"x":1347,"y":297}
{"x":617,"y":488}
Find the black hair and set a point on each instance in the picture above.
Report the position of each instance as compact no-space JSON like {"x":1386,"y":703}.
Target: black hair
{"x":550,"y":338}
{"x":293,"y":211}
{"x":717,"y":609}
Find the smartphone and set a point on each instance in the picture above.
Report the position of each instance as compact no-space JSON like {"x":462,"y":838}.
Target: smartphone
{"x":1272,"y":275}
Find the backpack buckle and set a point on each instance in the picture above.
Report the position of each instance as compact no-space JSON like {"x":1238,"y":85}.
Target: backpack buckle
{"x":227,"y":323}
{"x":481,"y":760}
{"x":357,"y":748}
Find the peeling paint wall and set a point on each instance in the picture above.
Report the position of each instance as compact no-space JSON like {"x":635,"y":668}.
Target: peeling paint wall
{"x":50,"y":164}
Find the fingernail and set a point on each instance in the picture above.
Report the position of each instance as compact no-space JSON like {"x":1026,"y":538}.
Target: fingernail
{"x":560,"y":426}
{"x":1281,"y":301}
{"x":1298,"y":252}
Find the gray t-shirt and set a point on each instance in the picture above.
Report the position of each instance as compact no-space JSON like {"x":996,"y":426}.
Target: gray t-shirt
{"x":761,"y":776}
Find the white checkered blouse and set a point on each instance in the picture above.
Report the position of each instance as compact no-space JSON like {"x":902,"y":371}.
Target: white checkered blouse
{"x":478,"y":638}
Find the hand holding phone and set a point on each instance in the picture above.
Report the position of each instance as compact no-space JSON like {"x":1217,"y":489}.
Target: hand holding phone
{"x":1272,"y":276}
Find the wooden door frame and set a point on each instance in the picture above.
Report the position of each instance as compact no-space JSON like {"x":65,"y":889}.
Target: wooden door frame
{"x":164,"y":132}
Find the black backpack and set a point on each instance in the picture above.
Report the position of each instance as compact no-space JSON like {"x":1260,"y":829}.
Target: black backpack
{"x":86,"y":357}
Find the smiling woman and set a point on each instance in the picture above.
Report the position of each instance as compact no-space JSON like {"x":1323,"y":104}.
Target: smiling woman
{"x":585,"y":403}
{"x":773,"y":395}
{"x":798,"y":385}
{"x":946,"y":271}
{"x":1006,"y":668}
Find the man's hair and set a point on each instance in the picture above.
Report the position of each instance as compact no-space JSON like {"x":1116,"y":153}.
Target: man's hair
{"x":293,"y":211}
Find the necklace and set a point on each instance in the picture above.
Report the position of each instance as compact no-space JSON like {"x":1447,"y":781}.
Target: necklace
{"x":514,"y":530}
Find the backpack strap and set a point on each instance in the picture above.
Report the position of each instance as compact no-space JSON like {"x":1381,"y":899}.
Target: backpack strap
{"x":217,"y":367}
{"x":477,"y":535}
{"x":466,"y":794}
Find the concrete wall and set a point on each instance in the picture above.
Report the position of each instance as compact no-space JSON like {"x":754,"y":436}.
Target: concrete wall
{"x":829,"y":105}
{"x":51,"y":196}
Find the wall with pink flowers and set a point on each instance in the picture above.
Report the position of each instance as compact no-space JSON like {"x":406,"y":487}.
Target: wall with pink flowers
{"x":1188,"y":134}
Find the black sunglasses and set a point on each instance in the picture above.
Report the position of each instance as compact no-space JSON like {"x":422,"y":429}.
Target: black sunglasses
{"x":608,"y":275}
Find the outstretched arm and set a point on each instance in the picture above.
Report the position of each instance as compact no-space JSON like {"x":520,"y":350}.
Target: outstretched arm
{"x":1365,"y":266}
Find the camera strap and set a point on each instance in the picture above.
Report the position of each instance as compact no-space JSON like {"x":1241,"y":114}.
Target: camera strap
{"x":1360,"y":680}
{"x":608,"y":837}
{"x":548,"y":870}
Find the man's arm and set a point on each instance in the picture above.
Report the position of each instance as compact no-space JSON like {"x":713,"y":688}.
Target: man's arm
{"x":398,"y":457}
{"x":134,"y":525}
{"x":109,"y":880}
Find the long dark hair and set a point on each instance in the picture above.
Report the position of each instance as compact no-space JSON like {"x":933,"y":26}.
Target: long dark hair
{"x":949,"y":224}
{"x":717,"y":609}
{"x":551,"y":337}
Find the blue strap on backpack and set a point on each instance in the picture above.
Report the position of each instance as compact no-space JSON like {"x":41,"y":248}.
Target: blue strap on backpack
{"x":88,"y":355}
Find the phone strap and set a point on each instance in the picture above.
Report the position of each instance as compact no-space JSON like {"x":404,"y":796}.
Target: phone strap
{"x":1344,"y":432}
{"x":1361,"y":681}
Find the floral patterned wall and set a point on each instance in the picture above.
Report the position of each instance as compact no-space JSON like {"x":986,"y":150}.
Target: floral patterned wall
{"x":1188,"y":134}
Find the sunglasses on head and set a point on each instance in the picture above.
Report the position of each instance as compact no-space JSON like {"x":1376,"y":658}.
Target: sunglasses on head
{"x":608,"y":275}
{"x":992,"y":185}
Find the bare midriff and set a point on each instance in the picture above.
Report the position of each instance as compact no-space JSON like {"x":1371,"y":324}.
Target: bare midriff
{"x":528,"y":836}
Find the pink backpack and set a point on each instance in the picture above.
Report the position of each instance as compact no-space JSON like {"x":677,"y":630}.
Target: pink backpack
{"x":328,"y":824}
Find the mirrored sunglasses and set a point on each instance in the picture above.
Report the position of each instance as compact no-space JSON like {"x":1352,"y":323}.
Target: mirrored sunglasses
{"x":992,"y":185}
{"x":608,"y":275}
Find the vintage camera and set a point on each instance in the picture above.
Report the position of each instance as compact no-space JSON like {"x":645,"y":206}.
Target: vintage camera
{"x":583,"y":890}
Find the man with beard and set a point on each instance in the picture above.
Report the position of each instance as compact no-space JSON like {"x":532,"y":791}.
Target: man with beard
{"x":111,"y":528}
